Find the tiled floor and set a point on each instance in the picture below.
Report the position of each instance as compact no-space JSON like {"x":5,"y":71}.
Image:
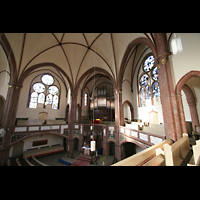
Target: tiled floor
{"x":54,"y":160}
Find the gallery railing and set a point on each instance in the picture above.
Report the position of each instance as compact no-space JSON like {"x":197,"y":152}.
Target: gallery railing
{"x":79,"y":130}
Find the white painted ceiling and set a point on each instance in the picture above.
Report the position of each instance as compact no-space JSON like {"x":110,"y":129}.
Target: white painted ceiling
{"x":75,"y":53}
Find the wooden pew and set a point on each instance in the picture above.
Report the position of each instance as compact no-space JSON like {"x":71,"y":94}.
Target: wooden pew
{"x":195,"y":160}
{"x":177,"y":152}
{"x":9,"y":163}
{"x":144,"y":156}
{"x":18,"y":163}
{"x":159,"y":160}
{"x":28,"y":162}
{"x":43,"y":151}
{"x":41,"y":163}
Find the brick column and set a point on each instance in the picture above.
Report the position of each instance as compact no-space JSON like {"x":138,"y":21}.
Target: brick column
{"x":72,"y":121}
{"x":167,"y":93}
{"x":118,"y":120}
{"x":8,"y":122}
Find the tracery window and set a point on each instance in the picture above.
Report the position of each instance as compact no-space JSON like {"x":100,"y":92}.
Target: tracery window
{"x":85,"y":103}
{"x":44,"y":94}
{"x":149,"y":90}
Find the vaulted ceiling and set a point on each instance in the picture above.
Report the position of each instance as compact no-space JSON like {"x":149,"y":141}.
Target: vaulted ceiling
{"x":74,"y":53}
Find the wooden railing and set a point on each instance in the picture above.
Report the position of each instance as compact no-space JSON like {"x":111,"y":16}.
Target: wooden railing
{"x":23,"y":131}
{"x":141,"y":136}
{"x":125,"y":133}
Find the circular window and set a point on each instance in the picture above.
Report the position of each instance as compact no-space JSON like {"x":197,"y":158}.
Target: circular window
{"x":144,"y":80}
{"x":39,"y":87}
{"x":148,"y":63}
{"x":53,"y":90}
{"x":47,"y":79}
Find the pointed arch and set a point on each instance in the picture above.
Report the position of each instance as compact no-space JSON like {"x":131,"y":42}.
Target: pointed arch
{"x":135,"y":42}
{"x":34,"y":67}
{"x":131,"y":109}
{"x":178,"y":88}
{"x":11,"y":58}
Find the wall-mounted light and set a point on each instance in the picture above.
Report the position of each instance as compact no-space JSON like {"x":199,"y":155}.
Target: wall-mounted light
{"x":176,"y":45}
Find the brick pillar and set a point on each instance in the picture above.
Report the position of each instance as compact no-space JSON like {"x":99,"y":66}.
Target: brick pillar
{"x":8,"y":122}
{"x":72,"y":121}
{"x":80,"y":144}
{"x":117,"y":143}
{"x":167,"y":93}
{"x":118,"y":121}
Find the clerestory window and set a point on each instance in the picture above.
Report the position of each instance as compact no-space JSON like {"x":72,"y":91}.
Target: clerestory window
{"x":149,"y":91}
{"x":44,"y":94}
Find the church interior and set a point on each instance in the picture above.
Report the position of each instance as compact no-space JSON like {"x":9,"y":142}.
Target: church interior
{"x":84,"y":99}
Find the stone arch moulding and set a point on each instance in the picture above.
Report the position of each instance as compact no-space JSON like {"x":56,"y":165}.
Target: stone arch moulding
{"x":34,"y":67}
{"x":131,"y":109}
{"x":135,"y":42}
{"x":184,"y":79}
{"x":178,"y":89}
{"x":192,"y":105}
{"x":9,"y":54}
{"x":4,"y":100}
{"x":90,"y":71}
{"x":134,"y":142}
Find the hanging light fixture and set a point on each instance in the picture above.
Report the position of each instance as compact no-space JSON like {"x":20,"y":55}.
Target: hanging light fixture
{"x":92,"y":142}
{"x":176,"y":45}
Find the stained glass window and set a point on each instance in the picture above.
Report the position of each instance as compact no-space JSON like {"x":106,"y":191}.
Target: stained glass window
{"x":154,"y":74}
{"x":148,"y":82}
{"x":85,"y":104}
{"x":149,"y":63}
{"x":144,"y":80}
{"x":39,"y":87}
{"x":41,"y":98}
{"x":156,"y":89}
{"x":47,"y":79}
{"x":49,"y":99}
{"x":33,"y":100}
{"x":142,"y":97}
{"x":55,"y":102}
{"x":53,"y":90}
{"x":147,"y":92}
{"x":44,"y":93}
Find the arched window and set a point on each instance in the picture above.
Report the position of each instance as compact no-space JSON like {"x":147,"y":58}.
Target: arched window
{"x":44,"y":94}
{"x":85,"y":102}
{"x":33,"y":100}
{"x":149,"y":91}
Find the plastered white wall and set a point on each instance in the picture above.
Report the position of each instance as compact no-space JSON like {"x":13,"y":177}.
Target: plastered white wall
{"x":51,"y":140}
{"x":127,"y":112}
{"x":188,"y":59}
{"x":184,"y":62}
{"x":33,"y":113}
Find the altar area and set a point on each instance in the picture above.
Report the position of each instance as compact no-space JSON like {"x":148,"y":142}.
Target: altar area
{"x":86,"y":151}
